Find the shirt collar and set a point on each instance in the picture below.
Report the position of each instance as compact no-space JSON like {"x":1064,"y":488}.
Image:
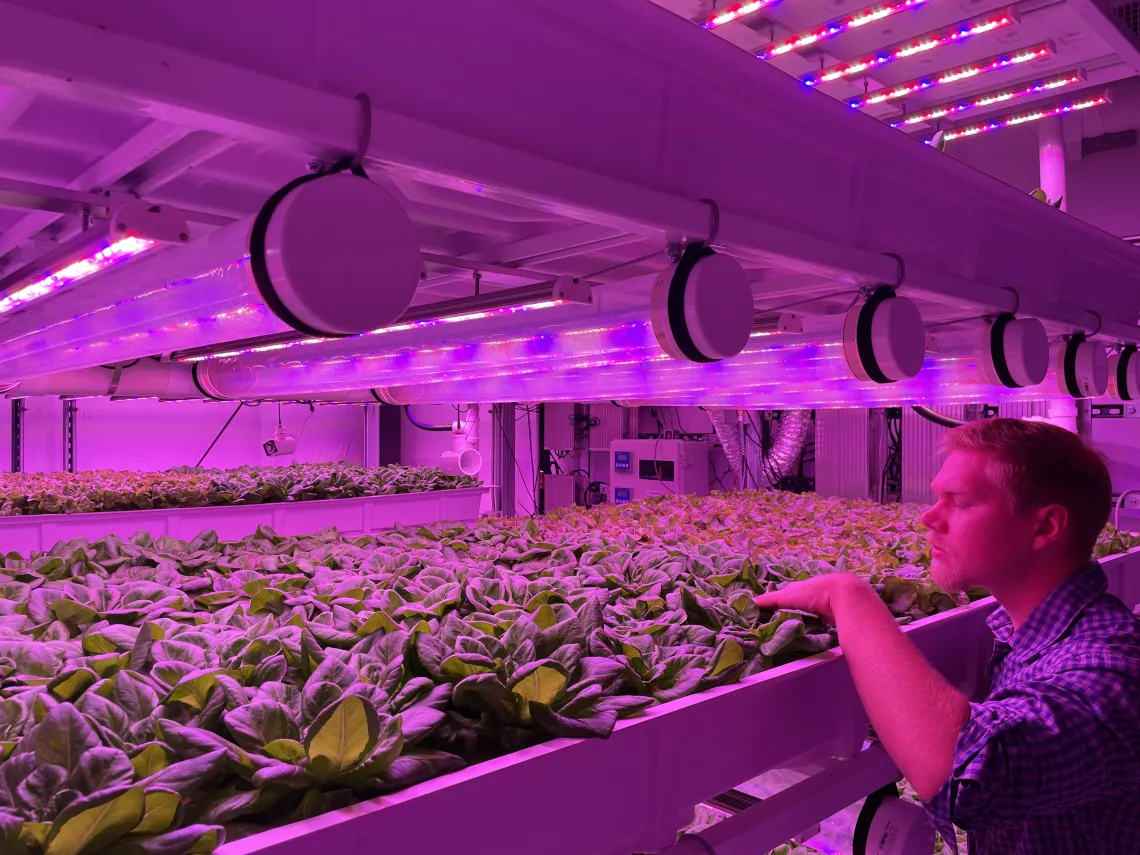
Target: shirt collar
{"x":1054,"y":615}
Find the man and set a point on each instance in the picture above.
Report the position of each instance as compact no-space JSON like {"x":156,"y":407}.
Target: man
{"x":1049,"y":762}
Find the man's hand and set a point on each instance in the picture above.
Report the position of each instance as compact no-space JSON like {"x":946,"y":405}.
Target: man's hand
{"x":916,"y":713}
{"x":819,"y":594}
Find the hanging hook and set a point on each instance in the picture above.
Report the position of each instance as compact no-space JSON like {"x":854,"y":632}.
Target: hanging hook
{"x":1016,"y":299}
{"x":900,"y":277}
{"x":363,"y":131}
{"x":1099,"y":323}
{"x":714,"y":220}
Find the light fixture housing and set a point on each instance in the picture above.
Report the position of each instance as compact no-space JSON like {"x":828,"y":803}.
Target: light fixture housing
{"x":835,"y":27}
{"x":1074,"y":106}
{"x":735,"y":13}
{"x":919,"y":44}
{"x":997,"y":96}
{"x":953,"y":75}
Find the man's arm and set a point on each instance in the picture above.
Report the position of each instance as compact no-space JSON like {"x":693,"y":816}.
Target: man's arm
{"x":915,"y":712}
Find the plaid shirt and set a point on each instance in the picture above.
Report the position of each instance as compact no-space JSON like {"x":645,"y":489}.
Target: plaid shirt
{"x":1049,"y":762}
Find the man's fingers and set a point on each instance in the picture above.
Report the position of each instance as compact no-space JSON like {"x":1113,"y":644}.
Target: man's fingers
{"x":767,"y":601}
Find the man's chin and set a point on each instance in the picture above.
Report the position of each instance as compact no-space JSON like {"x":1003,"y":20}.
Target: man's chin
{"x":947,"y":577}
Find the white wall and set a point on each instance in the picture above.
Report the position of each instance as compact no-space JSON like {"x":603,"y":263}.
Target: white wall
{"x":148,"y":435}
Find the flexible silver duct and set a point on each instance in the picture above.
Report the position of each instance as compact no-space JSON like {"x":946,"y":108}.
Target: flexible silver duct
{"x":725,"y":424}
{"x":783,"y":459}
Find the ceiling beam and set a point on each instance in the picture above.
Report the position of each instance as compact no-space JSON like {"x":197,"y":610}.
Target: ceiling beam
{"x":1108,"y":26}
{"x":152,"y":139}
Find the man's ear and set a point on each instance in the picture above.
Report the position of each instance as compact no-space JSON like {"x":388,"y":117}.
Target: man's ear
{"x":1052,"y":526}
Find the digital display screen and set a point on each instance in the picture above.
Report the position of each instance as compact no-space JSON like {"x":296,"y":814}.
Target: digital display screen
{"x":622,"y":496}
{"x":622,"y":461}
{"x":655,"y":470}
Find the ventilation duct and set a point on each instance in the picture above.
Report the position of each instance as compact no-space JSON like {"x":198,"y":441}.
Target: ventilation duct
{"x":784,"y":458}
{"x":727,"y":428}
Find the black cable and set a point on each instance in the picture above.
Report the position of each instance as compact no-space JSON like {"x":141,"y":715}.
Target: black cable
{"x":937,"y":418}
{"x":421,"y":425}
{"x":233,"y":416}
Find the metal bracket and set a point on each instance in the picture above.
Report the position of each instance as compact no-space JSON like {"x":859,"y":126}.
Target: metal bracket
{"x":572,"y":290}
{"x":150,"y":222}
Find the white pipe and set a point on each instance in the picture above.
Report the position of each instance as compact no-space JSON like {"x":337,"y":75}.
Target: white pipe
{"x":145,"y":379}
{"x":1051,"y":156}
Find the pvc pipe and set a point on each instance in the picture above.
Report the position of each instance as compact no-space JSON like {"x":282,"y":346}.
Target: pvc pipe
{"x":146,"y":379}
{"x":1051,"y":157}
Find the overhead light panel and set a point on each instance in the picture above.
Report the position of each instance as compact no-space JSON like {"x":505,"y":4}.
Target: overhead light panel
{"x":837,"y":27}
{"x":735,"y":13}
{"x":1030,"y":116}
{"x":954,"y":75}
{"x":495,"y":305}
{"x":132,"y":228}
{"x":920,"y":44}
{"x":998,"y":96}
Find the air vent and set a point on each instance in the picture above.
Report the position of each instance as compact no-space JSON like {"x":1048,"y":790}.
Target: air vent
{"x":1129,"y":14}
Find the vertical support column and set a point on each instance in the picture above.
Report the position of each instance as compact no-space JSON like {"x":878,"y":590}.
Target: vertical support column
{"x":1051,"y":157}
{"x":1084,"y":420}
{"x":543,"y":462}
{"x":503,"y":458}
{"x":18,"y":435}
{"x":70,"y":409}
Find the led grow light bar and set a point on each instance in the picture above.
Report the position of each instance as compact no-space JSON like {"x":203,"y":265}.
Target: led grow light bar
{"x":106,"y":253}
{"x":998,"y":96}
{"x":838,"y":26}
{"x":920,"y":44}
{"x":735,"y":13}
{"x":1031,"y":116}
{"x":808,"y":375}
{"x":962,"y":72}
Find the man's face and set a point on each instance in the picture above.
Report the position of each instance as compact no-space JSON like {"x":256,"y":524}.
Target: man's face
{"x":976,"y":538}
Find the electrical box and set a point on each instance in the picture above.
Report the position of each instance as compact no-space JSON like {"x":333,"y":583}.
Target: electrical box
{"x":640,"y":468}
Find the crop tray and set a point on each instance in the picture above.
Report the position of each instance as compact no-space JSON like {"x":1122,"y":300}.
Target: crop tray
{"x":232,"y":522}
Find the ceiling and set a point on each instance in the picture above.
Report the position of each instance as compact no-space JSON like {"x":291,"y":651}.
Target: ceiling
{"x":1078,"y":34}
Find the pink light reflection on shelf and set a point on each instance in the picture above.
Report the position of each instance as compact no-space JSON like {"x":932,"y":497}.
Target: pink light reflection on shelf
{"x":107,"y":255}
{"x":402,"y":327}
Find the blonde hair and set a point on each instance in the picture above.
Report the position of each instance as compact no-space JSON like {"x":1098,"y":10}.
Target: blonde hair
{"x":1041,"y":464}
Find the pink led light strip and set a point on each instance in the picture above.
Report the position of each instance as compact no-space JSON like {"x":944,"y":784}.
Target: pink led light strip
{"x":735,"y":13}
{"x":995,"y":63}
{"x":411,"y":325}
{"x":1032,"y":116}
{"x":108,"y":255}
{"x":841,"y":25}
{"x":999,"y":96}
{"x":920,"y":44}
